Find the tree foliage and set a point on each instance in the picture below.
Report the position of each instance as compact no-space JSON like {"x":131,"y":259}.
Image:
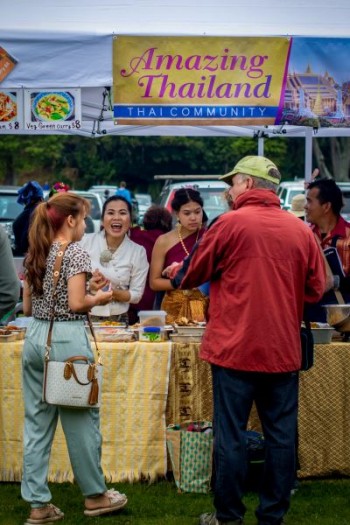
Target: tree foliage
{"x":333,"y":157}
{"x":81,"y":161}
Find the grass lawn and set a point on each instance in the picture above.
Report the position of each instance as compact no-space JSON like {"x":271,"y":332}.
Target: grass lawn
{"x":320,"y":502}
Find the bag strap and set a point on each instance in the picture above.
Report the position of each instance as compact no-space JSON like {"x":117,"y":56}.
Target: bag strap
{"x":56,"y":276}
{"x":337,"y":293}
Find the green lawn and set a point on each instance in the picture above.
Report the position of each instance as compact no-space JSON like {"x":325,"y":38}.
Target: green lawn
{"x":325,"y":502}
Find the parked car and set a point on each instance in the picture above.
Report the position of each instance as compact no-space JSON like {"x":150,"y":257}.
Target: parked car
{"x":212,"y":193}
{"x":144,"y":201}
{"x":105,"y":191}
{"x":9,"y":209}
{"x":96,"y":206}
{"x":288,"y":189}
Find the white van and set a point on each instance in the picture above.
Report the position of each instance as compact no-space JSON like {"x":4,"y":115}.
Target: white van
{"x":212,"y":193}
{"x":287,"y":190}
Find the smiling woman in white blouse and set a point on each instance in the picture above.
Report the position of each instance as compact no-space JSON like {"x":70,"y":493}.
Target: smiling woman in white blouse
{"x":119,"y":260}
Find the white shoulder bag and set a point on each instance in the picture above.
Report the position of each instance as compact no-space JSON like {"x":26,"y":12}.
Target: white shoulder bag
{"x":76,"y":382}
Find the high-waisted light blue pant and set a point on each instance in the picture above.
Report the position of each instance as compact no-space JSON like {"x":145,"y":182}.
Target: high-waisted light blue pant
{"x":81,"y":426}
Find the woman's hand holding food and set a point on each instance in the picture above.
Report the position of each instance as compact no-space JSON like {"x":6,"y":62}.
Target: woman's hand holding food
{"x":102,"y":297}
{"x":97,"y":282}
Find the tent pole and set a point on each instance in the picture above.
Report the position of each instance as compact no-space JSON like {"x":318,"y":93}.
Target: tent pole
{"x":308,"y":154}
{"x":261,"y":146}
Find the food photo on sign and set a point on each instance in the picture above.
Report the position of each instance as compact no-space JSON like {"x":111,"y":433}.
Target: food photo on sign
{"x":10,"y":109}
{"x":52,"y":109}
{"x":7,"y":63}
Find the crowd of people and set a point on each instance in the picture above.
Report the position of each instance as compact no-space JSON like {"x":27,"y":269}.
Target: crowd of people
{"x":253,"y":275}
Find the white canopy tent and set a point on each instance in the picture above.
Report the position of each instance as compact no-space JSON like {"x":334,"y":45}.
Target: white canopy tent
{"x":69,"y":44}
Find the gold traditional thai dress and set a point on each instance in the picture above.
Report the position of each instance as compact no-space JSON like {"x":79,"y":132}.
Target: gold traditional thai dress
{"x":192,"y":304}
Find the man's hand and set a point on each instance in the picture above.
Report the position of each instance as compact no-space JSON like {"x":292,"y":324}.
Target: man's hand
{"x":314,"y":175}
{"x":171,"y":270}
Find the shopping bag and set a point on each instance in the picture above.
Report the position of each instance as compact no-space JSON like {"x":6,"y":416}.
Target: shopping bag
{"x":190,"y":447}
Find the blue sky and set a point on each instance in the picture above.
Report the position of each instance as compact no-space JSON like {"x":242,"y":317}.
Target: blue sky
{"x":322,"y":54}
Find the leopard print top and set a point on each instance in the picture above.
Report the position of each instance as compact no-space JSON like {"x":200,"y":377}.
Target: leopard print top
{"x":75,"y":261}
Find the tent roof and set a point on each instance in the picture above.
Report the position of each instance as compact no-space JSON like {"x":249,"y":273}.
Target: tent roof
{"x":61,"y":43}
{"x":195,"y":17}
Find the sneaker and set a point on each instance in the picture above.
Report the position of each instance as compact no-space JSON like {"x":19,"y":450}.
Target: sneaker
{"x":210,"y":519}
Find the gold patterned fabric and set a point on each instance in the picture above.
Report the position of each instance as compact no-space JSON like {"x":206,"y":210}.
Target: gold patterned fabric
{"x":136,"y":406}
{"x":132,"y":414}
{"x":324,"y":422}
{"x":190,"y":386}
{"x":192,"y":304}
{"x":324,"y":408}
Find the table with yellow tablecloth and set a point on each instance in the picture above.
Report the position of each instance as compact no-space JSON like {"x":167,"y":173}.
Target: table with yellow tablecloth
{"x":149,"y":385}
{"x":324,"y":404}
{"x":134,"y":396}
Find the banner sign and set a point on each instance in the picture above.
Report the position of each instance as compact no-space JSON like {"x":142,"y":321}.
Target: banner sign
{"x":317,"y":91}
{"x":11,"y":109}
{"x":199,"y":80}
{"x":52,"y":110}
{"x":7,"y":63}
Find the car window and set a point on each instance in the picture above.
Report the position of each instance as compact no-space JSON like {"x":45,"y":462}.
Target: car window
{"x":143,"y":200}
{"x":214,"y":202}
{"x":293,"y":193}
{"x":9,"y":207}
{"x":346,"y":200}
{"x":282,"y":196}
{"x":95,"y":211}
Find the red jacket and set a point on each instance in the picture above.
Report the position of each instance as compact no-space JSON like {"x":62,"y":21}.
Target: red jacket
{"x":262,"y":263}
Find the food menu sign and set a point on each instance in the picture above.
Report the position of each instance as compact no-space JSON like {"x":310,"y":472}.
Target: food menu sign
{"x":52,"y":110}
{"x":7,"y":63}
{"x":11,"y":109}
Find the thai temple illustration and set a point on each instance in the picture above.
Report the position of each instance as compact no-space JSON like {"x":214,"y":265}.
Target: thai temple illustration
{"x":313,"y":96}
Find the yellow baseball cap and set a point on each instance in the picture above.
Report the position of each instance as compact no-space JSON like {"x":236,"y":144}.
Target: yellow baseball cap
{"x":255,"y":166}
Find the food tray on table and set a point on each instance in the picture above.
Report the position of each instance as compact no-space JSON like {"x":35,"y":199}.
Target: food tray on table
{"x":115,"y":324}
{"x":190,"y":330}
{"x":176,"y":338}
{"x":166,"y":330}
{"x":7,"y":336}
{"x":16,"y":331}
{"x":111,"y":334}
{"x":322,"y":333}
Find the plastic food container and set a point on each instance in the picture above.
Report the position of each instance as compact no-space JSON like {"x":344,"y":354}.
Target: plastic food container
{"x":111,"y":334}
{"x":7,"y":338}
{"x":322,"y":335}
{"x":151,"y":334}
{"x":175,"y":338}
{"x":152,"y":317}
{"x":190,"y":330}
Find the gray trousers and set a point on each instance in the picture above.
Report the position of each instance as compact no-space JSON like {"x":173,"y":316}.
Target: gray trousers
{"x":81,"y":426}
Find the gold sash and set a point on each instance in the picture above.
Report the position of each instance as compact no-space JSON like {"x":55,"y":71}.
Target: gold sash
{"x":192,"y":304}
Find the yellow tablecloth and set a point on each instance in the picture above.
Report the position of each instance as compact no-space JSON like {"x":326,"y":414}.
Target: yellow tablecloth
{"x":134,"y":395}
{"x":324,"y":413}
{"x":136,"y":406}
{"x":324,"y":405}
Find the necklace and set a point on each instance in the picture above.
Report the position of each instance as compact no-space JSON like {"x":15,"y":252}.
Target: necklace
{"x":107,"y":255}
{"x":61,"y":241}
{"x":181,"y":239}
